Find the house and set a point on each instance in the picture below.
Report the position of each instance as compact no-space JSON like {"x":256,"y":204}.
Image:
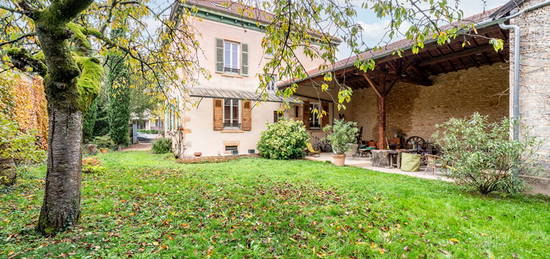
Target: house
{"x":412,"y":93}
{"x":228,"y":114}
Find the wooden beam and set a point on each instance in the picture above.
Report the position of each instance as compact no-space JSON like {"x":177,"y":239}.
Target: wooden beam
{"x":457,"y":54}
{"x":417,"y":76}
{"x":376,"y":90}
{"x":450,"y":63}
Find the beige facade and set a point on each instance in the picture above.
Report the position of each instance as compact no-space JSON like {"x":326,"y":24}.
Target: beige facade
{"x":193,"y":129}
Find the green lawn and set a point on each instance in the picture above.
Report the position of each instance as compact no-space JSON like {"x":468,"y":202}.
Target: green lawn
{"x":147,"y":205}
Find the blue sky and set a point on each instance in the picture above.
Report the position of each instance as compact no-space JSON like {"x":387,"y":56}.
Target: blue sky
{"x":375,"y":28}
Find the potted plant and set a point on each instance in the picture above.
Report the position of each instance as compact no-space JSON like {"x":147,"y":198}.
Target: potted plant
{"x":340,"y":135}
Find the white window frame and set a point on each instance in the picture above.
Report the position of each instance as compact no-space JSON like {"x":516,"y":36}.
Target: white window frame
{"x":314,"y":117}
{"x":231,"y":119}
{"x":273,"y":85}
{"x":229,"y":67}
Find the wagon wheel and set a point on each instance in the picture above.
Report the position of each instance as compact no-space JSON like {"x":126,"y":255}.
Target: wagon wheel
{"x":415,"y":141}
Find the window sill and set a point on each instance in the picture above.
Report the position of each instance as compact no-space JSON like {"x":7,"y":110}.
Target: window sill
{"x":229,"y":74}
{"x":230,"y":130}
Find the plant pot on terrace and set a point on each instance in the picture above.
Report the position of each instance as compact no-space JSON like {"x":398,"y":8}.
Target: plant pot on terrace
{"x":339,"y":159}
{"x":340,"y":135}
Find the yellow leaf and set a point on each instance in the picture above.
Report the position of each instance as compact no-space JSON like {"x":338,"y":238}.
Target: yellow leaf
{"x":454,"y":240}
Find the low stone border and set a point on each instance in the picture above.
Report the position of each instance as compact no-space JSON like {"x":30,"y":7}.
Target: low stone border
{"x":211,"y":159}
{"x":538,"y":185}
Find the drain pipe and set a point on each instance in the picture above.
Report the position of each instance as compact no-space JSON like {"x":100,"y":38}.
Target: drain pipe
{"x":515,"y":92}
{"x":517,"y":34}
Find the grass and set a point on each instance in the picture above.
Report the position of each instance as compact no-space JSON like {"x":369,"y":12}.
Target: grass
{"x":148,"y":206}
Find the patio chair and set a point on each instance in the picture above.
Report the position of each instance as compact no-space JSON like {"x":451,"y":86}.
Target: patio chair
{"x":312,"y":152}
{"x":431,"y":163}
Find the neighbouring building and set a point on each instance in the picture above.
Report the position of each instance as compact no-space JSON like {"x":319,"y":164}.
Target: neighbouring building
{"x":228,"y":114}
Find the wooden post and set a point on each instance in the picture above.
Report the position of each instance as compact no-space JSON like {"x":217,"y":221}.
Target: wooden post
{"x":381,"y":94}
{"x":381,"y":122}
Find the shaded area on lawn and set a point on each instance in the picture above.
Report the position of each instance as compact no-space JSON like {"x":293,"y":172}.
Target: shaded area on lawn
{"x":148,"y":204}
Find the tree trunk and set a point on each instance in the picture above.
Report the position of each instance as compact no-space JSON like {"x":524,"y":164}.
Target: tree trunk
{"x":381,"y":122}
{"x":8,"y":174}
{"x":61,"y":206}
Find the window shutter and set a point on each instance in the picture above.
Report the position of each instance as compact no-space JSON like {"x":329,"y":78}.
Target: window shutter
{"x":219,"y":55}
{"x":307,"y":113}
{"x":326,"y":118}
{"x":244,"y":59}
{"x":247,"y":116}
{"x":218,"y":115}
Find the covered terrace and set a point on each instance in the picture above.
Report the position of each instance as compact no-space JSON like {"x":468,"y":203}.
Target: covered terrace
{"x":407,"y":95}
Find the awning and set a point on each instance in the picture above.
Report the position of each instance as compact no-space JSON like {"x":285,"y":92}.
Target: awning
{"x":270,"y":96}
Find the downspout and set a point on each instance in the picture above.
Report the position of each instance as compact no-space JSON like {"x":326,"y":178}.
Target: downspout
{"x":515,"y":91}
{"x":517,"y":66}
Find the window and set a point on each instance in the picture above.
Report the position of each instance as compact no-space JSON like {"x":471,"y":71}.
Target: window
{"x":234,"y":150}
{"x":314,"y":121}
{"x":231,"y":113}
{"x":231,"y":57}
{"x":277,"y":116}
{"x":271,"y":85}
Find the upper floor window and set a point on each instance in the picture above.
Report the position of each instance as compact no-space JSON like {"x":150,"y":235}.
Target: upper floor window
{"x":231,"y":57}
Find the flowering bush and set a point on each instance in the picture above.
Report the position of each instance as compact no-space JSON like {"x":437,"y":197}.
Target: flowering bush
{"x":481,"y":155}
{"x":285,"y":139}
{"x":341,"y":135}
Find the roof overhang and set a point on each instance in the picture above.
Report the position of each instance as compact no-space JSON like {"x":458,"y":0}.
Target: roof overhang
{"x":269,"y":96}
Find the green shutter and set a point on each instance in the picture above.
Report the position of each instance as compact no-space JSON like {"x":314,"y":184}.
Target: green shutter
{"x":219,"y":55}
{"x":244,"y":63}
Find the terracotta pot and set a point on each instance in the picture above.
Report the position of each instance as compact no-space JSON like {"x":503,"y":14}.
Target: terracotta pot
{"x":339,"y":159}
{"x":197,"y":154}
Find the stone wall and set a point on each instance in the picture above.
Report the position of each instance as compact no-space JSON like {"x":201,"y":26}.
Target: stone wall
{"x":416,"y":110}
{"x":534,"y":74}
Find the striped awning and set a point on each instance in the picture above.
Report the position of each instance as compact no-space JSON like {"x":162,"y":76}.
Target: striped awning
{"x":270,"y":96}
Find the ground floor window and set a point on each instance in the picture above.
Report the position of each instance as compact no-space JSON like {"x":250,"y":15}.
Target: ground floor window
{"x":277,"y":116}
{"x":314,"y":121}
{"x":231,"y":113}
{"x":232,"y":149}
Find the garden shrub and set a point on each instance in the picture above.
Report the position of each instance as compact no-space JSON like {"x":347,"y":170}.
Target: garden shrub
{"x":285,"y":139}
{"x":16,"y":147}
{"x":104,"y":142}
{"x":481,"y":155}
{"x":162,"y":146}
{"x":341,"y":135}
{"x":93,"y":169}
{"x":90,"y":165}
